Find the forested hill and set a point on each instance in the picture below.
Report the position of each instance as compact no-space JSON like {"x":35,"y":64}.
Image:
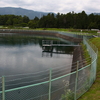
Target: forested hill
{"x":70,"y":20}
{"x":20,"y":11}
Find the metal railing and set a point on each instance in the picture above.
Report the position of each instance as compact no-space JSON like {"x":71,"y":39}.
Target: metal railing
{"x":56,"y":43}
{"x":47,"y":42}
{"x":58,"y":83}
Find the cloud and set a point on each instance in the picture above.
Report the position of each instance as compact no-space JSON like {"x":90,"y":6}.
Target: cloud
{"x":64,"y":6}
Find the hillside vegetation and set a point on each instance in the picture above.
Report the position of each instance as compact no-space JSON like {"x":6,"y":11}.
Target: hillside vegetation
{"x":69,"y":20}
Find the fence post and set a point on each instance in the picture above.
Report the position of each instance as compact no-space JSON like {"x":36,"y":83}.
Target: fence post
{"x":3,"y":88}
{"x":76,"y":79}
{"x":50,"y":75}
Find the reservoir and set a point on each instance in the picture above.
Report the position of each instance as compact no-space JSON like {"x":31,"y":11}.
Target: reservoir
{"x":31,"y":70}
{"x":25,"y":55}
{"x":23,"y":62}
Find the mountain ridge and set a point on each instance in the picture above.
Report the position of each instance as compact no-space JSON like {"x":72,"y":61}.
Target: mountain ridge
{"x":25,"y":12}
{"x":21,"y":11}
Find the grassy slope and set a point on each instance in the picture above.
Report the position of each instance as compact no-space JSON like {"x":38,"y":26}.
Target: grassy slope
{"x":94,"y":91}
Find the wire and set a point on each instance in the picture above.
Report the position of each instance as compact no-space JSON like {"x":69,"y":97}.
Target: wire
{"x":26,"y":74}
{"x":26,"y":78}
{"x":27,"y":82}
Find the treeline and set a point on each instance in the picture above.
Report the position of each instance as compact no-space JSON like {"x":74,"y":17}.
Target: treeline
{"x":13,"y":20}
{"x":69,"y":20}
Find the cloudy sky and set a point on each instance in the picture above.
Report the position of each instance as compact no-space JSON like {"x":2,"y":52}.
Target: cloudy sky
{"x":62,"y":6}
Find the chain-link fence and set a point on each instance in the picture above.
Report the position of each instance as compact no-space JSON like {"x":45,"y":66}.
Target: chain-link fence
{"x":61,"y":83}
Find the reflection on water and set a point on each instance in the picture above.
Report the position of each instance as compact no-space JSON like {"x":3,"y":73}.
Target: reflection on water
{"x":26,"y":56}
{"x":58,"y":50}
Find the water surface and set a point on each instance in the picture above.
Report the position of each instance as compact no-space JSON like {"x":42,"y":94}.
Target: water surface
{"x":27,"y":56}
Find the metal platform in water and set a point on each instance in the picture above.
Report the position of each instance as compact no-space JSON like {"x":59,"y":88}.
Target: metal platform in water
{"x":48,"y":43}
{"x":58,"y":45}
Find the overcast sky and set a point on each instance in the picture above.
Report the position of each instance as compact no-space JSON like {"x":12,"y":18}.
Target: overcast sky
{"x":61,"y":6}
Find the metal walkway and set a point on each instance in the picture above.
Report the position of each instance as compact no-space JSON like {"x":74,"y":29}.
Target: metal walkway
{"x":48,"y":43}
{"x":45,"y":45}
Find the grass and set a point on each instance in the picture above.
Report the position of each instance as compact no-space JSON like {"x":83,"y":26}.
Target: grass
{"x":86,"y":54}
{"x":94,"y":92}
{"x":71,"y":30}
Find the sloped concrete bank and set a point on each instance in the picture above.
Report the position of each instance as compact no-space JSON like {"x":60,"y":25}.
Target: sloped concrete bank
{"x":76,"y":61}
{"x":46,"y":33}
{"x":77,"y":57}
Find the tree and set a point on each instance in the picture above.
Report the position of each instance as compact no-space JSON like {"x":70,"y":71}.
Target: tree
{"x":36,"y":19}
{"x":93,"y":25}
{"x":69,"y":20}
{"x":82,"y":20}
{"x":47,"y":21}
{"x":25,"y":19}
{"x":15,"y":21}
{"x":23,"y":24}
{"x":8,"y":22}
{"x":32,"y":24}
{"x":58,"y":20}
{"x":3,"y":19}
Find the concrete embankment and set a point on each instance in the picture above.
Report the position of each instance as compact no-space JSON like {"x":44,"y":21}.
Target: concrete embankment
{"x":77,"y":61}
{"x":77,"y":57}
{"x":46,"y":33}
